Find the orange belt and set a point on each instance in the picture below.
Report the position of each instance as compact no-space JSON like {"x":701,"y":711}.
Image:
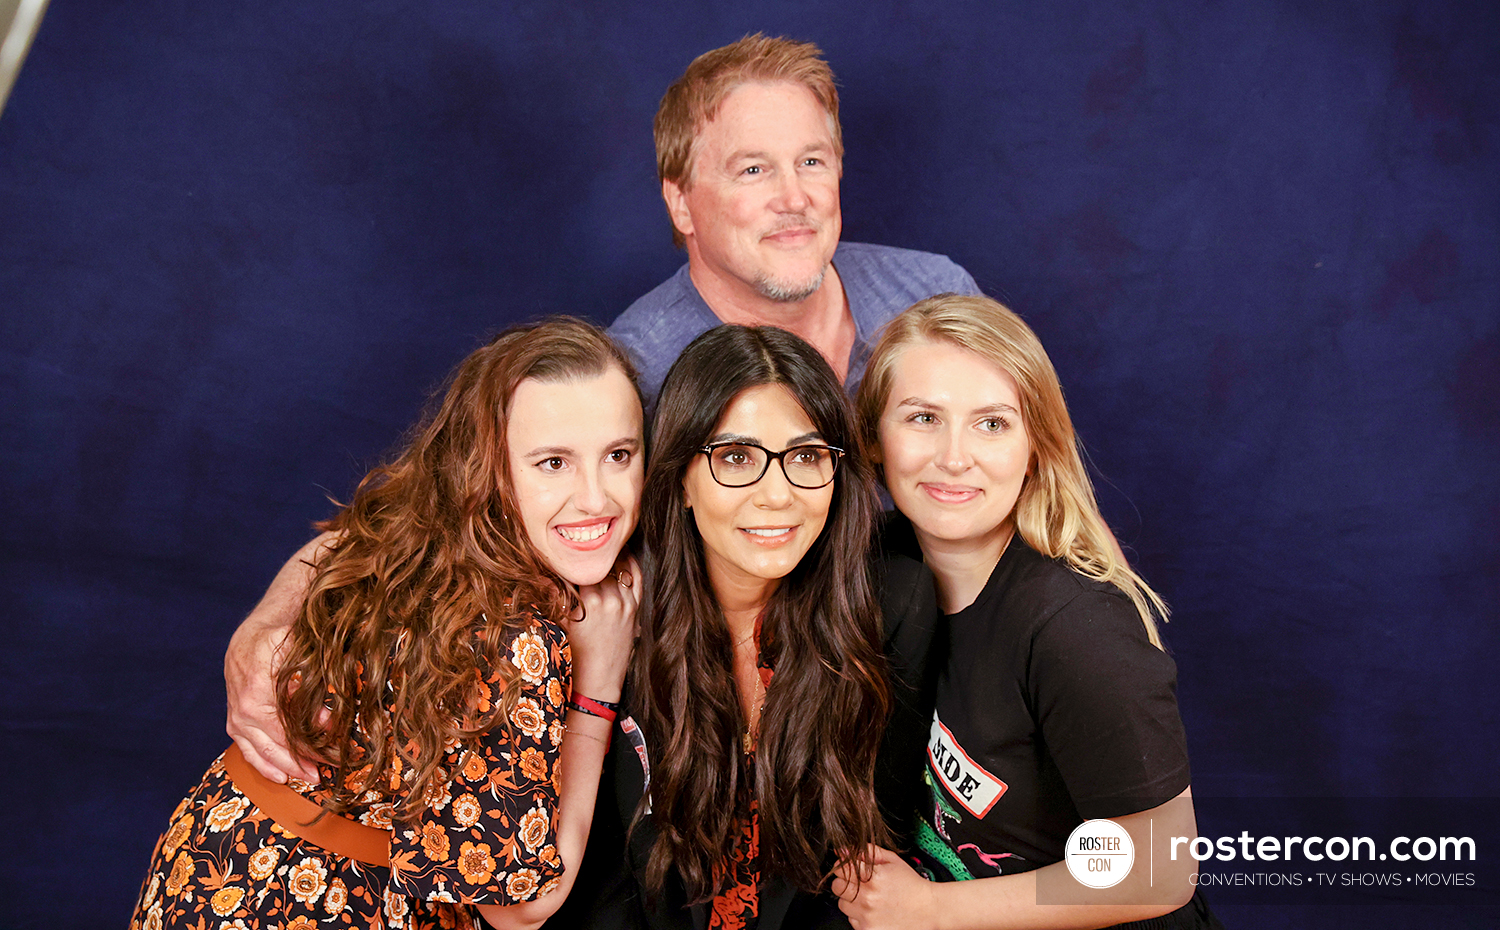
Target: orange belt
{"x":339,"y":835}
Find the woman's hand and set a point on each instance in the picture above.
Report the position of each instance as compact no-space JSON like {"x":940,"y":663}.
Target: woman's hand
{"x":894,"y":897}
{"x":601,"y":640}
{"x":897,"y":898}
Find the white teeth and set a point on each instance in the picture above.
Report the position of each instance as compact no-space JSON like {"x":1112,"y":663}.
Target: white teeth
{"x":585,"y":534}
{"x":781,"y":531}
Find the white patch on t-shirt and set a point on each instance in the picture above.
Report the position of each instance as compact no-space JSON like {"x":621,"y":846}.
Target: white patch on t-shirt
{"x":973,"y":787}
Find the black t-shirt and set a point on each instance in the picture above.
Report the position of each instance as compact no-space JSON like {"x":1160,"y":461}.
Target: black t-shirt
{"x":1053,"y":708}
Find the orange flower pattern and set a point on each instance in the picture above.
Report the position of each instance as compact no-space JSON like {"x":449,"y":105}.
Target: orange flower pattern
{"x":522,"y":883}
{"x":466,"y":810}
{"x":475,"y":767}
{"x":534,"y":765}
{"x":530,"y":657}
{"x":737,"y":906}
{"x":435,"y":841}
{"x":488,"y":836}
{"x":476,"y":864}
{"x":226,"y":900}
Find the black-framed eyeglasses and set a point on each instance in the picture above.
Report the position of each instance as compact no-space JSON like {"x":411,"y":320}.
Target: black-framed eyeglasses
{"x":741,"y":464}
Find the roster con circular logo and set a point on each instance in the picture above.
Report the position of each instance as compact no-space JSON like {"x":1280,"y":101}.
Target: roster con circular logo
{"x":1100,"y":853}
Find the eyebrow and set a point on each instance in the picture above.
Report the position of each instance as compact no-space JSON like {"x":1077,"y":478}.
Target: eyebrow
{"x":629,"y":442}
{"x":929,"y":405}
{"x":746,"y":155}
{"x":802,"y":440}
{"x":762,"y":155}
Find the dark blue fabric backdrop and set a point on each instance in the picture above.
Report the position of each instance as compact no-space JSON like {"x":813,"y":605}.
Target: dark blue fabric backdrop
{"x":238,"y":242}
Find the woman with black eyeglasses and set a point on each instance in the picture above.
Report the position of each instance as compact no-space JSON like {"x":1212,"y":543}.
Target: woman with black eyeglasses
{"x":758,"y":679}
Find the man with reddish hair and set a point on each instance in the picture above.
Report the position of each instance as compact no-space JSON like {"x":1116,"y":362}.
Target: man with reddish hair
{"x":750,"y":151}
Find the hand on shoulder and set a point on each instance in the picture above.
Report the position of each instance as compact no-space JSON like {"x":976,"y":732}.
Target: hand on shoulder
{"x":250,"y":668}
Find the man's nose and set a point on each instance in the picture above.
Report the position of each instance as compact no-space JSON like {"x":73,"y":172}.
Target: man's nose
{"x":792,"y":194}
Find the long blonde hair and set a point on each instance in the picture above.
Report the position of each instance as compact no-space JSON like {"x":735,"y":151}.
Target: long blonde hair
{"x":1056,"y":512}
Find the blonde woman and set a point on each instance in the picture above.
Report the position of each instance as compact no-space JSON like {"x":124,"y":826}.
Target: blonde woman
{"x":1056,"y":703}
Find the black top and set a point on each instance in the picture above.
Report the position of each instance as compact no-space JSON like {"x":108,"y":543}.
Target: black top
{"x":609,"y":891}
{"x":1053,"y":708}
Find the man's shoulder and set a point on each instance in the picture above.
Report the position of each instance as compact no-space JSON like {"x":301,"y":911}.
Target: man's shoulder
{"x":659,"y":324}
{"x":883,"y":280}
{"x":898,"y":266}
{"x":659,"y":303}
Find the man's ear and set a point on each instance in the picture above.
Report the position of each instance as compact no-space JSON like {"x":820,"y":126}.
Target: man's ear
{"x":677,"y":209}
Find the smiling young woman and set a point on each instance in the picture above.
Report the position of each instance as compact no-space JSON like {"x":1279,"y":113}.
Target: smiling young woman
{"x":1055,"y":703}
{"x":433,"y":667}
{"x":756,"y":525}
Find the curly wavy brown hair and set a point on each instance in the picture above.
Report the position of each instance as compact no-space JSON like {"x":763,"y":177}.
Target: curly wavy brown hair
{"x":427,"y":547}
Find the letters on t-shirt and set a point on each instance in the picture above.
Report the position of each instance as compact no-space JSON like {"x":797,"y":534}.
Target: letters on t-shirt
{"x":966,"y":780}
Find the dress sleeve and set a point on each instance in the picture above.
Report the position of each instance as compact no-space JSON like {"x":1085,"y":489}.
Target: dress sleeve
{"x":490,"y":836}
{"x":1106,"y":702}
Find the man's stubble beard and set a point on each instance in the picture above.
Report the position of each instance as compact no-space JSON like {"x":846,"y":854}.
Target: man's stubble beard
{"x":789,"y":292}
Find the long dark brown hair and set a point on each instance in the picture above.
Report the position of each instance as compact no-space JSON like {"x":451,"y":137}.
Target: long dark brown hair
{"x":828,"y":700}
{"x":430,"y":543}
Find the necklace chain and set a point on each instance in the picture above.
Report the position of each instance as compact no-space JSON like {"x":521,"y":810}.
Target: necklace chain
{"x":752,"y":726}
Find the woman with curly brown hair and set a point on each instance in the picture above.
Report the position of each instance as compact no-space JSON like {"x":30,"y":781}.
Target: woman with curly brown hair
{"x":758,"y":685}
{"x":461,"y":614}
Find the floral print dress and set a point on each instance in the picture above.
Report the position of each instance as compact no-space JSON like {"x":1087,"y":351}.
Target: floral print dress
{"x":489,"y":836}
{"x":738,"y":906}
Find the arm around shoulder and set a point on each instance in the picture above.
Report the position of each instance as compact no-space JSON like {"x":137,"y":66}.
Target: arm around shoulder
{"x":250,"y":668}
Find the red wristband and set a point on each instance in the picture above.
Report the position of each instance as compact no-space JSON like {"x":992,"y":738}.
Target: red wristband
{"x":593,"y":708}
